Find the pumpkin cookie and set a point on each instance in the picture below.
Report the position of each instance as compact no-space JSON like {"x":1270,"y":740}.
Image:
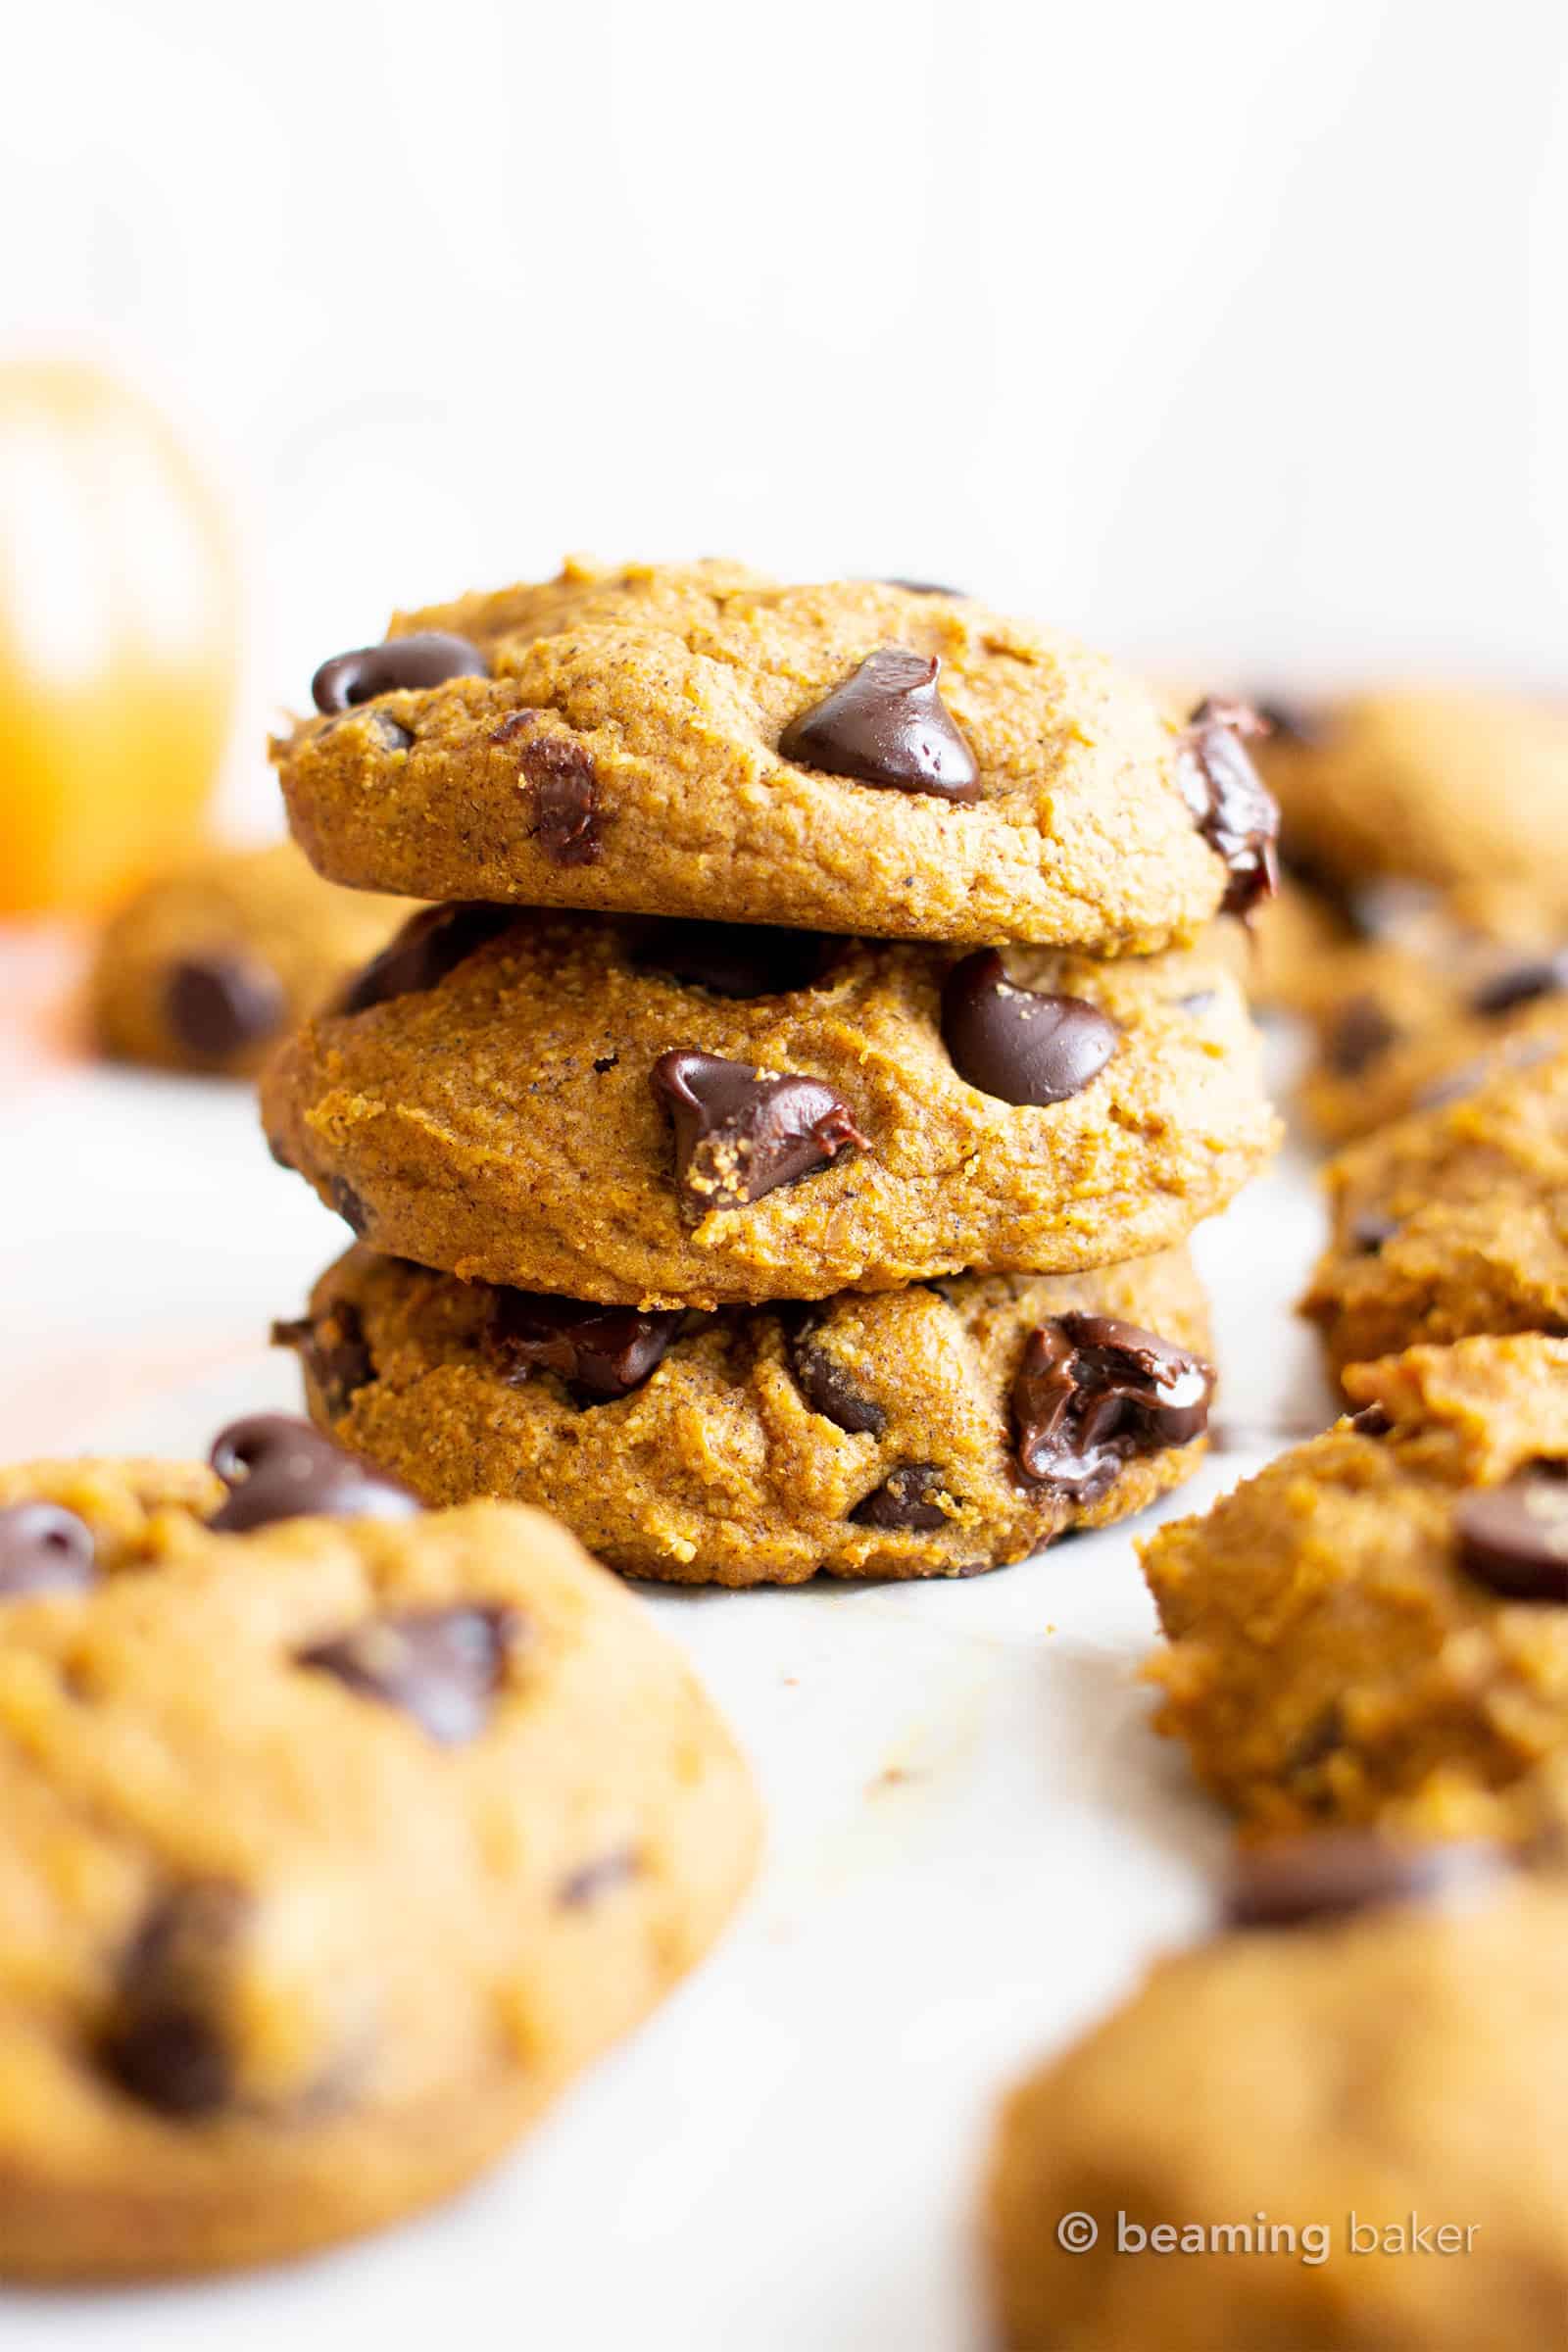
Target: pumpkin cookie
{"x":1375,"y":1627}
{"x":926,"y":1431}
{"x":862,"y":756}
{"x":1378,"y":2045}
{"x":675,"y":1114}
{"x":206,"y":966}
{"x":339,"y":1837}
{"x":1452,"y":1223}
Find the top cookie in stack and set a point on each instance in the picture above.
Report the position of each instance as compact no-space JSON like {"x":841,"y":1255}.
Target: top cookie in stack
{"x":614,"y":1117}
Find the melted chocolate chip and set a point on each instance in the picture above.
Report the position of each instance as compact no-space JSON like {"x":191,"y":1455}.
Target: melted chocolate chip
{"x":334,"y":1350}
{"x":349,"y":1206}
{"x":1015,"y":1044}
{"x":1521,"y":984}
{"x":1091,"y":1393}
{"x":1372,"y":1421}
{"x":902,"y":1501}
{"x":165,"y":2043}
{"x":222,"y":1005}
{"x":733,"y":959}
{"x":1337,"y":1872}
{"x":431,"y":945}
{"x":566,"y":789}
{"x":1362,"y":1032}
{"x":599,"y":1351}
{"x":402,"y":664}
{"x":1229,"y":804}
{"x":826,"y":1387}
{"x":886,"y":725}
{"x":441,"y":1666}
{"x":44,"y":1549}
{"x":1513,"y":1538}
{"x":1370,"y":1229}
{"x":739,"y":1134}
{"x":597,"y":1877}
{"x":275,"y":1467}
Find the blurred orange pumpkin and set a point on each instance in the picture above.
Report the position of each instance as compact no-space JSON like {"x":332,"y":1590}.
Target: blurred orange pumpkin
{"x":118,"y":638}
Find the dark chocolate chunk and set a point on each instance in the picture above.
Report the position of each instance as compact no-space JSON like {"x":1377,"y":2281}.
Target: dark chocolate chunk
{"x":431,"y":945}
{"x":902,"y":1500}
{"x":739,"y":1134}
{"x":427,"y":658}
{"x":1513,"y":1538}
{"x":1370,"y":1228}
{"x":1015,"y":1044}
{"x":275,"y":1467}
{"x":1229,"y":804}
{"x":349,"y":1206}
{"x":1335,"y":1872}
{"x":825,"y":1385}
{"x":599,"y":1351}
{"x":1361,"y":1031}
{"x":1091,"y":1393}
{"x":1372,"y":1421}
{"x":166,"y":2042}
{"x":1521,"y":984}
{"x":441,"y":1666}
{"x":44,"y":1549}
{"x":886,"y":725}
{"x":599,"y":1877}
{"x":733,"y":959}
{"x":220,"y":1004}
{"x":334,"y":1350}
{"x":566,"y":789}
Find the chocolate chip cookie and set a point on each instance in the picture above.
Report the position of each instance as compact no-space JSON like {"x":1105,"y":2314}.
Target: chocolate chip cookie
{"x":338,"y":1837}
{"x":927,"y":1431}
{"x":1378,"y":2047}
{"x":206,"y":966}
{"x":1375,"y":1627}
{"x":1452,"y":1223}
{"x":687,"y":1114}
{"x":862,"y":756}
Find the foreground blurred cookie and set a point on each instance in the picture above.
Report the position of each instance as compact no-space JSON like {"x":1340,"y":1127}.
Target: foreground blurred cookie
{"x":206,"y":966}
{"x":675,"y":1114}
{"x":1452,"y":1223}
{"x":925,"y":1431}
{"x":860,"y":757}
{"x":1239,"y":2159}
{"x":338,"y":1838}
{"x":1375,"y":1627}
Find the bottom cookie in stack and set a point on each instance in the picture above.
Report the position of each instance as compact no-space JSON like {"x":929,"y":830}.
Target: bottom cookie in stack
{"x":935,"y":1431}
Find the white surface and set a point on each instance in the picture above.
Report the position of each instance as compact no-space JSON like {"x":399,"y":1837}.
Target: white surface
{"x":975,"y":1838}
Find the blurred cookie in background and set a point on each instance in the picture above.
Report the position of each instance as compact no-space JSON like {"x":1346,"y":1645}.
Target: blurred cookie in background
{"x":208,"y":966}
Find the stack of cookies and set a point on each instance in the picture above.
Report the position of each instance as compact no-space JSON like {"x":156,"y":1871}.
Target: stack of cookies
{"x":775,"y":1148}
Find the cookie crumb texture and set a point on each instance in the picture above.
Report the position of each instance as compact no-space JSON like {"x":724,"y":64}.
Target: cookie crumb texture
{"x":1413,"y":2060}
{"x":869,"y":1437}
{"x":288,"y":1947}
{"x":503,"y":1124}
{"x":1344,"y":1648}
{"x":625,"y":752}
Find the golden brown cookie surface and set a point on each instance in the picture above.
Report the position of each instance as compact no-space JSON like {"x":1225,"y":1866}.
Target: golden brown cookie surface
{"x":853,"y":757}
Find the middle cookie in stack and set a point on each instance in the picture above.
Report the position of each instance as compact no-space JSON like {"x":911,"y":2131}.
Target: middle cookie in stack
{"x":758,"y":1250}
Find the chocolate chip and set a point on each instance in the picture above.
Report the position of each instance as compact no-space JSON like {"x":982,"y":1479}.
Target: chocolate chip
{"x":565,"y":782}
{"x":44,"y":1549}
{"x":739,"y":1134}
{"x":1372,"y":1421}
{"x":388,"y":734}
{"x":1091,"y":1393}
{"x":733,"y":959}
{"x":902,"y":1500}
{"x":1513,"y":1538}
{"x":1521,"y":984}
{"x":1360,"y":1032}
{"x":349,"y":1206}
{"x":334,"y":1350}
{"x":275,"y":1467}
{"x":926,"y":588}
{"x":1370,"y":1229}
{"x":825,"y":1385}
{"x":427,"y":658}
{"x":599,"y":1351}
{"x":165,"y":2043}
{"x":886,"y":725}
{"x":1016,"y":1044}
{"x":1338,"y":1872}
{"x":1228,"y":801}
{"x":220,"y":1005}
{"x":441,"y":1666}
{"x":597,"y":1877}
{"x":431,"y":945}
